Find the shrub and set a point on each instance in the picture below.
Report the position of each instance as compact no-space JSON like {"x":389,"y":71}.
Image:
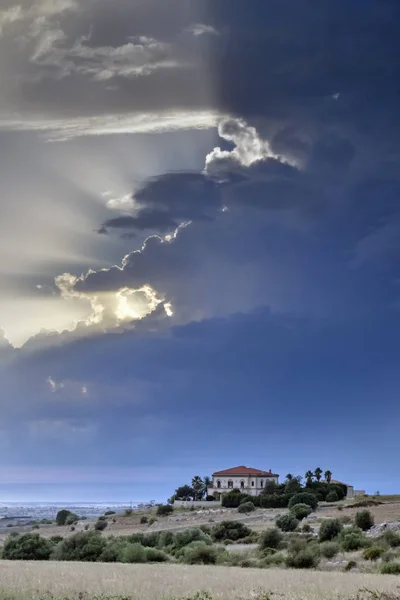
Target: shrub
{"x":390,"y":568}
{"x":307,"y":528}
{"x":389,"y":556}
{"x":246,"y":507}
{"x":55,"y":539}
{"x":373,"y":553}
{"x":133,"y":553}
{"x":274,"y":500}
{"x":109,"y":512}
{"x":144,"y":520}
{"x":352,"y":541}
{"x":198,"y":553}
{"x":332,"y":496}
{"x":152,"y":520}
{"x":72,"y":519}
{"x":232,"y":499}
{"x":271,"y":538}
{"x":166,"y":538}
{"x":100,"y":525}
{"x":64,"y":515}
{"x":85,"y":546}
{"x":128,"y":512}
{"x":364,"y":520}
{"x":164,"y":509}
{"x":392,"y":538}
{"x":304,"y":498}
{"x":230,"y":530}
{"x":210,"y":498}
{"x":330,"y":528}
{"x":301,"y":511}
{"x":29,"y":546}
{"x":329,"y":549}
{"x":155,"y":555}
{"x":273,"y":560}
{"x":287,"y":522}
{"x":350,"y":565}
{"x":187,"y":536}
{"x":113,"y":550}
{"x":304,"y":559}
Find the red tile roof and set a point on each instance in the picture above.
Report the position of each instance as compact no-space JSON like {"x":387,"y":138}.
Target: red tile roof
{"x":245,"y":471}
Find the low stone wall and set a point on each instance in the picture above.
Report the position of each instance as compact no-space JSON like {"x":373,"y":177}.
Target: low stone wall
{"x":197,"y":503}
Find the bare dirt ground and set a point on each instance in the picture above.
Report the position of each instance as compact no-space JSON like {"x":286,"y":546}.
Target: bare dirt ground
{"x":155,"y":582}
{"x":382,"y":513}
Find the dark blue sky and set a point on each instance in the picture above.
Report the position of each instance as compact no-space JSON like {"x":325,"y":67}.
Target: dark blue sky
{"x":200,"y":228}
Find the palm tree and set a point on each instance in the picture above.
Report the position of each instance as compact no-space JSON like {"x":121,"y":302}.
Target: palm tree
{"x":328,"y":476}
{"x":318,"y":472}
{"x":309,"y":477}
{"x":207,"y":482}
{"x":197,"y":485}
{"x":289,"y":477}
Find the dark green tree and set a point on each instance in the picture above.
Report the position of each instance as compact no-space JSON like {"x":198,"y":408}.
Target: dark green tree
{"x":198,"y":487}
{"x":318,"y":473}
{"x":328,"y":476}
{"x":309,"y":478}
{"x":185,"y":492}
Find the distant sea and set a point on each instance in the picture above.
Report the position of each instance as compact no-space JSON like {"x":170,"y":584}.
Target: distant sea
{"x":42,"y":510}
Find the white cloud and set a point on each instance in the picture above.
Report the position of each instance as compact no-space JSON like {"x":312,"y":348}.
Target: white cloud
{"x":124,"y":203}
{"x":65,"y":129}
{"x":54,"y":385}
{"x":249,"y":148}
{"x":10,"y":15}
{"x":198,"y":29}
{"x":39,"y":12}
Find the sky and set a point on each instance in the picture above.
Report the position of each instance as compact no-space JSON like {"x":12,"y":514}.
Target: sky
{"x":199,"y":243}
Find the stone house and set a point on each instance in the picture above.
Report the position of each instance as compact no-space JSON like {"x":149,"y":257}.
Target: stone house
{"x":246,"y":479}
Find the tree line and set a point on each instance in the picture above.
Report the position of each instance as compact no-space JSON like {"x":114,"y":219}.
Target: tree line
{"x":292,"y":484}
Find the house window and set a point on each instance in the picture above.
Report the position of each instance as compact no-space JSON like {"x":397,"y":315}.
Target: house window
{"x":261,"y":483}
{"x":252,"y":483}
{"x":230,"y":484}
{"x":242,"y":484}
{"x":218,"y":483}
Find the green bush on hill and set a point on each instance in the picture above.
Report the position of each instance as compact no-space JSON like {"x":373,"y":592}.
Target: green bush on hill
{"x":164,"y":510}
{"x":199,"y":553}
{"x":287,"y":522}
{"x":187,"y":536}
{"x":304,"y":559}
{"x":301,"y":511}
{"x":329,"y":549}
{"x":66,"y":517}
{"x":329,"y":529}
{"x":246,"y":507}
{"x":271,"y":538}
{"x":373,"y":552}
{"x":332,"y":496}
{"x":304,"y":498}
{"x":230,"y":530}
{"x":29,"y":546}
{"x":364,"y":520}
{"x":86,"y":546}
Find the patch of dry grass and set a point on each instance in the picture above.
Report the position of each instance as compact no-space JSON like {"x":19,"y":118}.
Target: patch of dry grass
{"x":29,"y":580}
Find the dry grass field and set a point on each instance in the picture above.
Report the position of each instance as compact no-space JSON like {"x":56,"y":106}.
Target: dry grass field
{"x":29,"y":580}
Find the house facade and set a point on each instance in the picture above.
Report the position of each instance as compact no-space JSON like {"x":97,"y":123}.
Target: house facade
{"x":246,"y":479}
